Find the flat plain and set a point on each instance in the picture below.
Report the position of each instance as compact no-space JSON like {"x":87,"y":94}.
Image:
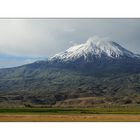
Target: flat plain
{"x":115,"y":114}
{"x":71,"y":118}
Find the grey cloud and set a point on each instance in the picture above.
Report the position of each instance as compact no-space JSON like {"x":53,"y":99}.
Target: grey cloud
{"x":45,"y":37}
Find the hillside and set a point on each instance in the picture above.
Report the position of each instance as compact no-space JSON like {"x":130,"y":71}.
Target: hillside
{"x":52,"y":85}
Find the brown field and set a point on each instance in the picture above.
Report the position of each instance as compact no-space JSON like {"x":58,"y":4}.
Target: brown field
{"x":70,"y":118}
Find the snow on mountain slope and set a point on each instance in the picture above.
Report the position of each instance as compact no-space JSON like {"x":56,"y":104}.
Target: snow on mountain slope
{"x":96,"y":47}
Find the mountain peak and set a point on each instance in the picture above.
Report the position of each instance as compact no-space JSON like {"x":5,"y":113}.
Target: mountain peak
{"x":96,"y":39}
{"x":94,"y":47}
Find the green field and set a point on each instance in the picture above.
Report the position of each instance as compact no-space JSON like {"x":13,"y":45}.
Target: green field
{"x":96,"y":110}
{"x":98,"y":114}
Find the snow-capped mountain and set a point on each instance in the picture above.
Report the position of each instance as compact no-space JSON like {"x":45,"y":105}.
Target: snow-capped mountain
{"x":94,"y":47}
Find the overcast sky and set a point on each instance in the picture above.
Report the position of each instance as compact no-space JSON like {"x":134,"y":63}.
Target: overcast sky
{"x":27,"y":40}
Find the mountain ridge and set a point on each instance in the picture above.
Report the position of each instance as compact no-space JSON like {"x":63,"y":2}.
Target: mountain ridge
{"x":96,"y":47}
{"x":51,"y":81}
